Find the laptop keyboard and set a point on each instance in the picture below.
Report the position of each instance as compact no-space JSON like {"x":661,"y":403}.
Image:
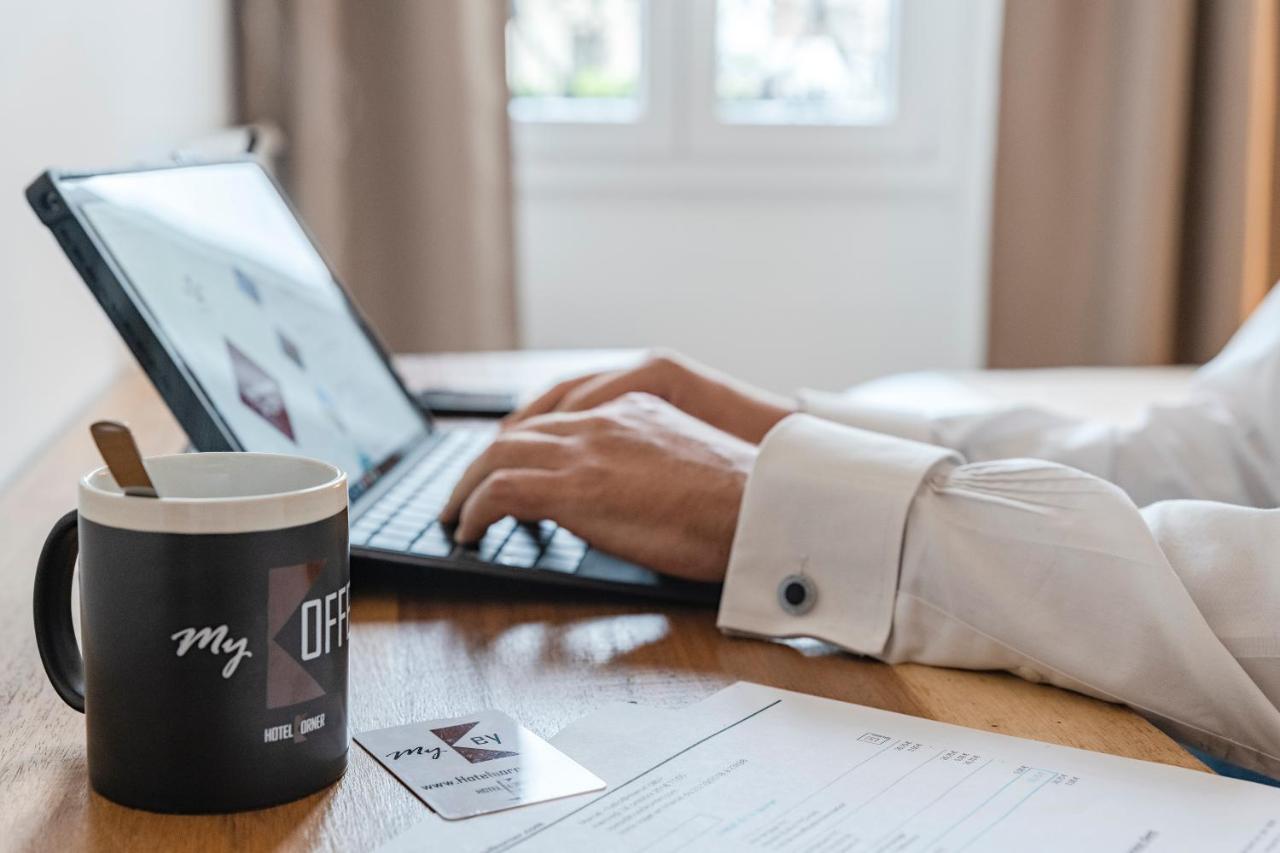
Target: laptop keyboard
{"x":405,"y":518}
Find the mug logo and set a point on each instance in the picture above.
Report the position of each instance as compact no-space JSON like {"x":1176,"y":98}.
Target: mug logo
{"x":217,"y":641}
{"x":301,"y":627}
{"x":452,"y":734}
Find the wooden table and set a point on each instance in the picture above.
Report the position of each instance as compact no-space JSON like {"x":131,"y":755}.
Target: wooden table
{"x":434,"y":650}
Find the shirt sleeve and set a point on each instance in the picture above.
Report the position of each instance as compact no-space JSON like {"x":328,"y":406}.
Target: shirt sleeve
{"x":1029,"y":566}
{"x":1221,"y":444}
{"x":1013,"y":539}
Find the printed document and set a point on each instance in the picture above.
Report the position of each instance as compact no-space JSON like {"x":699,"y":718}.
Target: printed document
{"x":756,"y":768}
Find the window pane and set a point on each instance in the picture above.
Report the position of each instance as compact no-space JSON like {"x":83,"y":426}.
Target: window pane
{"x":805,"y":61}
{"x":574,"y":60}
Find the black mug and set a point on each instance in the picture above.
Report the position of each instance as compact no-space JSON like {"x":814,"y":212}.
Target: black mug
{"x":214,"y":622}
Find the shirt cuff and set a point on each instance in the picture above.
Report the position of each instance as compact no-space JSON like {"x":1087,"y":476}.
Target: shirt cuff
{"x":824,"y":510}
{"x":864,"y":414}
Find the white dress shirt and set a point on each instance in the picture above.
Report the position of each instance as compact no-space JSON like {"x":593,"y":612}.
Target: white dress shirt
{"x":1140,"y":564}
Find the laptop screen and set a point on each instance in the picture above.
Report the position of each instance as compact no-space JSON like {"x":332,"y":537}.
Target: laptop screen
{"x":233,"y":287}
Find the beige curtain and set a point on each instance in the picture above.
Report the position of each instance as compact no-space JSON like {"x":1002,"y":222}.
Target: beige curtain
{"x":396,"y":151}
{"x":1136,"y":211}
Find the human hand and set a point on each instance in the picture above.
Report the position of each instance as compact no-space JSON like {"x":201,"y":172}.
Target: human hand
{"x":726,"y":403}
{"x":635,"y":477}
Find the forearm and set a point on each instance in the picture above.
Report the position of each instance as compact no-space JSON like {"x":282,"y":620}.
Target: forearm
{"x":1222,"y":443}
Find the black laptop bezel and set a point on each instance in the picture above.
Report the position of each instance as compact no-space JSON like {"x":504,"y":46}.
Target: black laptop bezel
{"x":176,"y":384}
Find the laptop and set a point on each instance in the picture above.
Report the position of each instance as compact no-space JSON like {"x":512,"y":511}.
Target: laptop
{"x":223,"y":298}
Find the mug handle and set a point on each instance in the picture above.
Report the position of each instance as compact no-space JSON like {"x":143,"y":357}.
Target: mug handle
{"x":55,"y":635}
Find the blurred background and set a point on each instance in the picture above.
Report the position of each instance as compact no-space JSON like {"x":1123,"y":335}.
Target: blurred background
{"x":801,"y":192}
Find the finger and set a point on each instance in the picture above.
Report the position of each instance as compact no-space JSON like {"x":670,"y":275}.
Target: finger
{"x":603,"y":388}
{"x":561,"y":424}
{"x":525,"y":493}
{"x":519,"y":449}
{"x":547,"y":400}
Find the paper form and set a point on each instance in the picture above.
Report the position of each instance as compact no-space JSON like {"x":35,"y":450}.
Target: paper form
{"x":755,"y":768}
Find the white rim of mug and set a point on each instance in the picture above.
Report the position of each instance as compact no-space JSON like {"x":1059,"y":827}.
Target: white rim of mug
{"x":230,"y":514}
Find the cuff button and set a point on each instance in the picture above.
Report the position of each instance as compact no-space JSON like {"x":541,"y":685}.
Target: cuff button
{"x":797,"y":594}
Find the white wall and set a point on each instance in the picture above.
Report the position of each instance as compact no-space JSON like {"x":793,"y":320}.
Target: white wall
{"x":810,"y":281}
{"x":84,"y":83}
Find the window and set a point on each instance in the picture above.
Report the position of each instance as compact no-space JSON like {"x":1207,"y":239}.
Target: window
{"x":804,"y":61}
{"x":574,"y":60}
{"x":776,"y":61}
{"x":657,"y":96}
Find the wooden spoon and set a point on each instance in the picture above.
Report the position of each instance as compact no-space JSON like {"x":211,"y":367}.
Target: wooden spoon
{"x":120,"y":452}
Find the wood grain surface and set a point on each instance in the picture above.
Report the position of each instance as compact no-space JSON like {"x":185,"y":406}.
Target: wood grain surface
{"x":423,"y":647}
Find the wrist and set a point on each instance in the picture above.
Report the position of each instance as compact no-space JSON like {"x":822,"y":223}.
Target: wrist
{"x":766,"y":413}
{"x":718,"y":399}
